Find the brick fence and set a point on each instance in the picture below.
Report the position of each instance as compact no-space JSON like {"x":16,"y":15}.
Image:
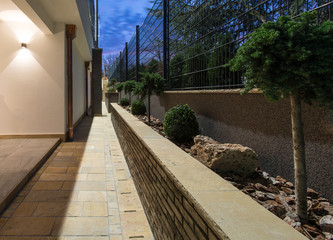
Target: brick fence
{"x":185,"y":200}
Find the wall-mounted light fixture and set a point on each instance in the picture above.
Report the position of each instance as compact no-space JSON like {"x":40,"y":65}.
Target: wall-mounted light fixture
{"x":23,"y":45}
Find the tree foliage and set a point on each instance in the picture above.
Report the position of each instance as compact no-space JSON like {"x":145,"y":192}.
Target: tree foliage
{"x":176,"y":71}
{"x":119,"y":87}
{"x":151,"y":83}
{"x":289,"y":57}
{"x":109,"y":60}
{"x":129,"y":86}
{"x":152,"y":66}
{"x":223,"y":51}
{"x":111,"y":83}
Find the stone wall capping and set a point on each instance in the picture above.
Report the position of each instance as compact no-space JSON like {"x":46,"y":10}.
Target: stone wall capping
{"x":174,"y":185}
{"x":218,"y":91}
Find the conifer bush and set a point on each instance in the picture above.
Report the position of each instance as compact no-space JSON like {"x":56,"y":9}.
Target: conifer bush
{"x":138,"y":108}
{"x":180,"y":123}
{"x":124,"y":102}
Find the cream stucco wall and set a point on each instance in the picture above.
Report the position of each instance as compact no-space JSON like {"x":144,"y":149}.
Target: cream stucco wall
{"x":32,"y":86}
{"x":79,"y":84}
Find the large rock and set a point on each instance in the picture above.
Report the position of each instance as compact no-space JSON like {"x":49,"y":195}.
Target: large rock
{"x":326,"y":223}
{"x":228,"y":158}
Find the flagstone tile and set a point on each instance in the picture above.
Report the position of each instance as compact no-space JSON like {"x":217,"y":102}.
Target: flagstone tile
{"x":25,"y":209}
{"x":28,"y":226}
{"x":47,"y":209}
{"x":76,"y":226}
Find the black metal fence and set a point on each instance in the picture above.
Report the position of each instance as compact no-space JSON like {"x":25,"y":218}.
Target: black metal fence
{"x":189,"y":41}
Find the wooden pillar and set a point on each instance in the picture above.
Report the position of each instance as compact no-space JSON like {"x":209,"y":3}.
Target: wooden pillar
{"x":91,"y":87}
{"x":70,"y":35}
{"x":87,"y":87}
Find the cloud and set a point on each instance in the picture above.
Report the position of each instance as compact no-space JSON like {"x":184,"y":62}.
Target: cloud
{"x":118,"y":21}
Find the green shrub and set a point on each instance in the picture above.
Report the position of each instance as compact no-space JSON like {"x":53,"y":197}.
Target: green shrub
{"x":112,"y":90}
{"x":180,"y":123}
{"x":124,"y":102}
{"x":138,"y":108}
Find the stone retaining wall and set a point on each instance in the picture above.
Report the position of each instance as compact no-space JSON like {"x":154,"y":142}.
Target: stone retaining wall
{"x":252,"y":121}
{"x":185,"y":200}
{"x":110,"y":98}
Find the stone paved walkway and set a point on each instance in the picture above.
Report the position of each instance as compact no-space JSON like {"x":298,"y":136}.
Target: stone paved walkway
{"x":83,"y":191}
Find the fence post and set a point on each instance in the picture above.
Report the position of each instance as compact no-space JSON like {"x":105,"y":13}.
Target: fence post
{"x":120,"y":68}
{"x":137,"y":52}
{"x":166,"y":40}
{"x":126,"y":61}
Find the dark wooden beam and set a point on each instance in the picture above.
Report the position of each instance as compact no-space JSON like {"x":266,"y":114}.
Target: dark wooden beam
{"x":70,"y":35}
{"x":87,"y":87}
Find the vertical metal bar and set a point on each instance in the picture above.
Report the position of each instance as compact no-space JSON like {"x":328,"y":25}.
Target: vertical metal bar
{"x":137,"y":52}
{"x":126,"y":61}
{"x":120,"y":68}
{"x":96,"y":24}
{"x":166,"y":40}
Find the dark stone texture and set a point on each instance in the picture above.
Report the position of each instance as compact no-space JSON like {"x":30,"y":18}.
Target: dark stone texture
{"x":110,"y":98}
{"x":265,"y":127}
{"x":97,"y":93}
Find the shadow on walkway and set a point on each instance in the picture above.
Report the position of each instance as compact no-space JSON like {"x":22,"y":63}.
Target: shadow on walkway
{"x":83,"y":190}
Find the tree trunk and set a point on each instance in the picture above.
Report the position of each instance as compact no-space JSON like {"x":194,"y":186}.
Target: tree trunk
{"x":148,"y":109}
{"x":299,"y":158}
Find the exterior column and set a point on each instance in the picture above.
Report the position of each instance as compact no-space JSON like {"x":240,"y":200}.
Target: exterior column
{"x":70,"y":35}
{"x":97,"y":81}
{"x":86,"y":64}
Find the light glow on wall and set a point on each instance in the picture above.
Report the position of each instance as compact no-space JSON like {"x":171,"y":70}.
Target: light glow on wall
{"x":24,"y":55}
{"x":19,"y":24}
{"x":13,"y":16}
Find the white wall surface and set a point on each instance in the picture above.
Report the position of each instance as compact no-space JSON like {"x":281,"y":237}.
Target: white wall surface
{"x":79,"y":84}
{"x":32,"y":82}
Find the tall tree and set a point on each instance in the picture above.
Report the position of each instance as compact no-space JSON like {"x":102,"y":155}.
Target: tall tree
{"x":128,"y":88}
{"x":119,"y":87}
{"x":109,"y":60}
{"x":151,"y":83}
{"x":291,"y":59}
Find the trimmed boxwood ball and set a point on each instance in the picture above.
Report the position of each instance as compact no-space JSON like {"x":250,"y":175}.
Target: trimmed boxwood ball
{"x":138,"y":108}
{"x":180,"y":123}
{"x":124,"y":102}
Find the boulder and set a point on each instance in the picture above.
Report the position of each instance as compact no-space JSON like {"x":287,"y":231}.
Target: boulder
{"x":260,"y":196}
{"x":328,"y":207}
{"x":278,"y":210}
{"x":326,"y":223}
{"x":226,"y":158}
{"x":312,"y":193}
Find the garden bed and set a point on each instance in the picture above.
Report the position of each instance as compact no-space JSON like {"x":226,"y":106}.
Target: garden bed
{"x":274,"y":193}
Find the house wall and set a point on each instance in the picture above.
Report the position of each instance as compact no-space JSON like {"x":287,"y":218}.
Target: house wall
{"x":32,"y":83}
{"x":79,"y":84}
{"x":265,"y":127}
